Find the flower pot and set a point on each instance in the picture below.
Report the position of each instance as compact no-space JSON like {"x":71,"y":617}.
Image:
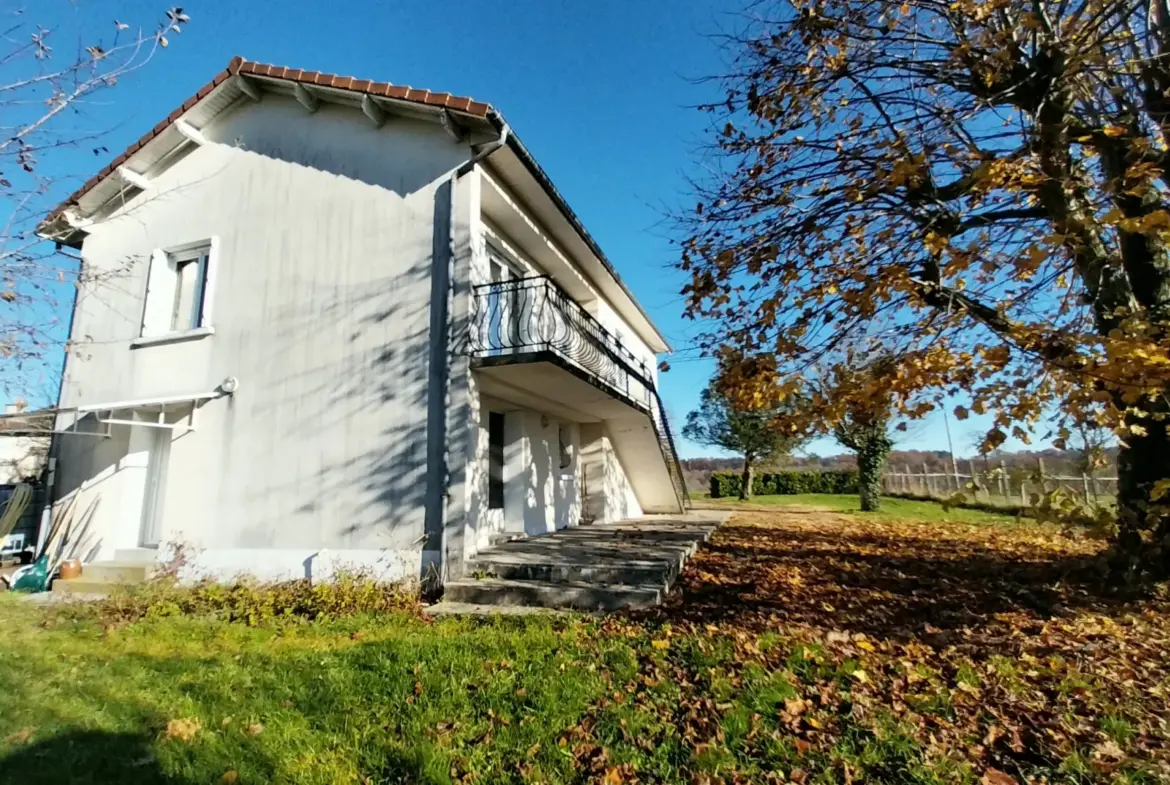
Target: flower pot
{"x":70,"y":568}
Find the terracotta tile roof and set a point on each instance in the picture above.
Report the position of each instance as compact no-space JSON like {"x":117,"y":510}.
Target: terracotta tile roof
{"x":239,"y":65}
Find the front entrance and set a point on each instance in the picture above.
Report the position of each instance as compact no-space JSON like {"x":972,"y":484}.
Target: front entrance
{"x":158,"y":458}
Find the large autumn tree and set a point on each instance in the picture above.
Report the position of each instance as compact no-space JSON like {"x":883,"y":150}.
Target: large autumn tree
{"x":988,"y":179}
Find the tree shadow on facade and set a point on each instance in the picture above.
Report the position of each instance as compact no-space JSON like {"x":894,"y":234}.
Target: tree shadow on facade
{"x":888,"y":583}
{"x":365,"y":412}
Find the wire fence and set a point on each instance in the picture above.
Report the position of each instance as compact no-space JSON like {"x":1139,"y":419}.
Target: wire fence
{"x":997,"y":483}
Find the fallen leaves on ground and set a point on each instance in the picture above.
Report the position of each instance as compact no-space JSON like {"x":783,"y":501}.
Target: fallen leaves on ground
{"x":993,"y":651}
{"x":183,"y":729}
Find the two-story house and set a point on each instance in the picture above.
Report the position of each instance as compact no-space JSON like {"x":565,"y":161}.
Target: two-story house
{"x":345,"y":323}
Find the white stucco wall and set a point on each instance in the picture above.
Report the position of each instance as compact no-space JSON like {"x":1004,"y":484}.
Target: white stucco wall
{"x":539,"y":496}
{"x":620,"y":500}
{"x":610,"y":319}
{"x":321,"y":303}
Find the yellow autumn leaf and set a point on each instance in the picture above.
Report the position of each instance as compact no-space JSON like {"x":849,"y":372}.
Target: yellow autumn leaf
{"x":1114,"y":130}
{"x":1160,"y":489}
{"x":183,"y":729}
{"x":660,"y":644}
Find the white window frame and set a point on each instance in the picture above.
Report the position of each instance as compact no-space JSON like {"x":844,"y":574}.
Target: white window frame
{"x":161,"y":297}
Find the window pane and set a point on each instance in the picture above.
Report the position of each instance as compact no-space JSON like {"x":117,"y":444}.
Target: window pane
{"x":565,"y":445}
{"x":495,"y":461}
{"x":190,"y":283}
{"x":200,"y":275}
{"x":184,"y":292}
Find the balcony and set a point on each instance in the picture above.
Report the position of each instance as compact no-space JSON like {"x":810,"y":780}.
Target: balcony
{"x":567,"y":357}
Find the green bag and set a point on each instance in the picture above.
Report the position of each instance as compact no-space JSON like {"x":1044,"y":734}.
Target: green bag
{"x":34,"y":577}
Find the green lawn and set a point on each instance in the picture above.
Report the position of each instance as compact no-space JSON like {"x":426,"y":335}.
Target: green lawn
{"x":813,"y":648}
{"x":892,"y":509}
{"x":394,"y":698}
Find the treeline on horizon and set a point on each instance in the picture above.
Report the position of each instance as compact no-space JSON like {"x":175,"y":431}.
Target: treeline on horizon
{"x":697,"y":471}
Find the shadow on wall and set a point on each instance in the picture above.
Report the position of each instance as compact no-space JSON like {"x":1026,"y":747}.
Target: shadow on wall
{"x":357,"y":409}
{"x":328,"y":442}
{"x":87,"y":466}
{"x":88,"y":459}
{"x":617,"y":487}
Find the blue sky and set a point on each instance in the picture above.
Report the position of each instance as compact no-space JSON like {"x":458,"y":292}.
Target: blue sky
{"x":600,"y":91}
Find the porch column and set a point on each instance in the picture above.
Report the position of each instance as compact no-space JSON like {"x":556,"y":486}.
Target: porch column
{"x":593,"y":472}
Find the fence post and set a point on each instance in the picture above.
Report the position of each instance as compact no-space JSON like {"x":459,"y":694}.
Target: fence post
{"x":974,"y":480}
{"x":1004,"y":486}
{"x":929,"y":491}
{"x":1040,"y":471}
{"x":1085,"y":486}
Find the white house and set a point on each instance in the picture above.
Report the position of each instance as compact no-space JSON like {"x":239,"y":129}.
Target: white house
{"x":342,"y":322}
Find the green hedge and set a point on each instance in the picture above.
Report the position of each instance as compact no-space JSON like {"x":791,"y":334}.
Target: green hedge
{"x":726,"y":484}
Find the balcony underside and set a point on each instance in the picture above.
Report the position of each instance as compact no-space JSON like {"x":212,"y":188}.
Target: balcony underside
{"x":545,"y":380}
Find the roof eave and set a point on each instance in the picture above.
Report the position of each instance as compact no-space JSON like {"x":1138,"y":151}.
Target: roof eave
{"x":517,"y":146}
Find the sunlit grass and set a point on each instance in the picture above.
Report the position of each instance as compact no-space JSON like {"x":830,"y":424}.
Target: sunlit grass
{"x":892,"y":509}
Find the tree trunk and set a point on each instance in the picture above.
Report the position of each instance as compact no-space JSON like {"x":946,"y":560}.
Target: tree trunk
{"x":745,"y":480}
{"x":1141,"y":550}
{"x":870,"y":461}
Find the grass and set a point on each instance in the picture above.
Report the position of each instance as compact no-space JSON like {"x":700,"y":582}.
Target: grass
{"x":892,"y":509}
{"x":801,"y":645}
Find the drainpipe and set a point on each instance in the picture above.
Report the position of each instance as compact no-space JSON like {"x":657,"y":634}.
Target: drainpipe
{"x":489,"y":147}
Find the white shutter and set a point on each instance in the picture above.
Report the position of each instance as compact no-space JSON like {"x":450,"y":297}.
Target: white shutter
{"x":160,"y":295}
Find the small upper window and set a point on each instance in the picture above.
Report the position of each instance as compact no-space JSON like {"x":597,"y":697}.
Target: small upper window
{"x":177,"y":290}
{"x":566,"y":446}
{"x":190,"y":286}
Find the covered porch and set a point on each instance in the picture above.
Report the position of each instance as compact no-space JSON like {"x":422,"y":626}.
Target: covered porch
{"x":535,"y":350}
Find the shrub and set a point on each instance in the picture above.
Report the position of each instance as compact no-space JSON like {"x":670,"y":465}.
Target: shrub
{"x":254,"y":602}
{"x":727,"y":484}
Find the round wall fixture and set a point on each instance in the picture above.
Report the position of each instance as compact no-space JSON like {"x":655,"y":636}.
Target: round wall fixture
{"x":230,"y":385}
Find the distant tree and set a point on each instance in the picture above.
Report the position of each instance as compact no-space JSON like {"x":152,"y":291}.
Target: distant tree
{"x":48,"y":86}
{"x":755,"y":433}
{"x":868,"y":436}
{"x":863,"y":422}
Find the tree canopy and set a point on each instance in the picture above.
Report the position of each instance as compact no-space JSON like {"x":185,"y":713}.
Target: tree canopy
{"x":987,"y":180}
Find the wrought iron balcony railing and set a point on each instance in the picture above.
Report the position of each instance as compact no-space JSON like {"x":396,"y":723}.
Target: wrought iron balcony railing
{"x":532,"y":316}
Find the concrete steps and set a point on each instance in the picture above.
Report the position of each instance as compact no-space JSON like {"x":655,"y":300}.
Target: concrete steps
{"x":602,"y":567}
{"x":101,"y":578}
{"x":576,"y":594}
{"x":632,"y":573}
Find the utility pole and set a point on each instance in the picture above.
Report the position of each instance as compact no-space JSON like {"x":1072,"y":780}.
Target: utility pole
{"x":951,"y":449}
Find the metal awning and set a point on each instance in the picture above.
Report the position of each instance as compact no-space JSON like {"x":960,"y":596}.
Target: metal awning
{"x":171,"y":411}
